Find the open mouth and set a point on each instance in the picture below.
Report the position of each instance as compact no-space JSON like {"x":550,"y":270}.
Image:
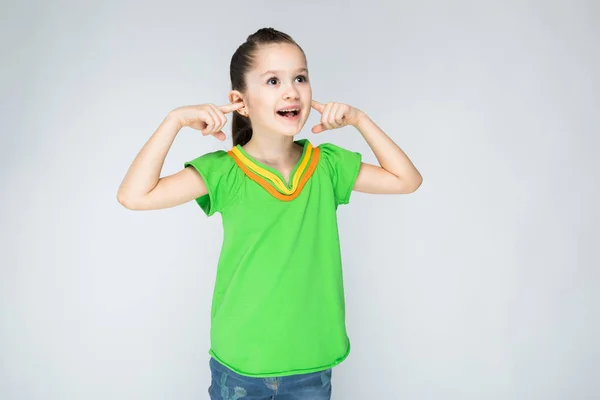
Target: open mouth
{"x":289,"y":114}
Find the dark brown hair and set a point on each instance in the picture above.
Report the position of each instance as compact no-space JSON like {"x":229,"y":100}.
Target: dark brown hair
{"x":242,"y":62}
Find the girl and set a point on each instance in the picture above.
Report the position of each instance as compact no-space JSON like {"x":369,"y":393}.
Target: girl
{"x":277,"y":315}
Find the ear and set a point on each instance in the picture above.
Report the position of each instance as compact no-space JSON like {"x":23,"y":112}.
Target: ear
{"x":235,"y":96}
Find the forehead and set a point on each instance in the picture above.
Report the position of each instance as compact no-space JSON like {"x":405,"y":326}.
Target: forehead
{"x":284,"y":57}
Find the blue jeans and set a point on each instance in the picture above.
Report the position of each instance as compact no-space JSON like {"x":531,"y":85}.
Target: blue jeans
{"x":229,"y":385}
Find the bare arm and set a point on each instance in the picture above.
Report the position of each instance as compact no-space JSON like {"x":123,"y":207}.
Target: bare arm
{"x":396,"y":175}
{"x":144,"y":189}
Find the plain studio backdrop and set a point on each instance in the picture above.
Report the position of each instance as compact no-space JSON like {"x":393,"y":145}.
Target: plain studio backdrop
{"x":481,"y":285}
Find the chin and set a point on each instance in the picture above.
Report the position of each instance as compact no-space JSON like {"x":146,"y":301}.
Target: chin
{"x":290,"y":131}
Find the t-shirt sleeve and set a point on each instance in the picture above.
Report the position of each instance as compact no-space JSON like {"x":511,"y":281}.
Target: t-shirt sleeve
{"x":217,"y":170}
{"x":343,"y":166}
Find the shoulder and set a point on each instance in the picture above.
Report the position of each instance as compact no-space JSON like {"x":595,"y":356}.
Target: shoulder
{"x":222,"y":178}
{"x":335,"y":156}
{"x":215,"y":159}
{"x":216,"y":163}
{"x":330,"y":150}
{"x":216,"y":167}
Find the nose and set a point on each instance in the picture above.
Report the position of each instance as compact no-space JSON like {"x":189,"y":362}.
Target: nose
{"x":291,"y":92}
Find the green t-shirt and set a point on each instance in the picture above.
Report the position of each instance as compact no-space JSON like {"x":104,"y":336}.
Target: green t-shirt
{"x":278,"y":304}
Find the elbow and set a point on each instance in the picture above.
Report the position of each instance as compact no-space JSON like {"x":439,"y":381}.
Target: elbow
{"x":407,"y":187}
{"x":127,"y":201}
{"x":418,"y":183}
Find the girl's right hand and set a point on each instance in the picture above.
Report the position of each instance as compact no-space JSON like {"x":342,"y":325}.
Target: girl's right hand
{"x":207,"y":118}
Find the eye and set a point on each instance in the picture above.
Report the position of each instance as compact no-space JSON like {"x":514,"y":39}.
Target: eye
{"x":272,"y":79}
{"x":303,"y":78}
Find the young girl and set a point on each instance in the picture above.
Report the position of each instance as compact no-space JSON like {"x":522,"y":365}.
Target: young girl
{"x":278,"y":317}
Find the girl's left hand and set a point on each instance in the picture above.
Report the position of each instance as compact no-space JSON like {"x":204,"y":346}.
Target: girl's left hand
{"x":335,"y":115}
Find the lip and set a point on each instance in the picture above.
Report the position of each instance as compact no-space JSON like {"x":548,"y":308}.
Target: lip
{"x":290,"y":107}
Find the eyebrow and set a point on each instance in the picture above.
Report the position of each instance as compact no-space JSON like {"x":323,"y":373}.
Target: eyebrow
{"x":275,"y":71}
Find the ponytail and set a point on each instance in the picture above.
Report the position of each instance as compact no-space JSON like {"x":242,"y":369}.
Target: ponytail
{"x":241,"y":129}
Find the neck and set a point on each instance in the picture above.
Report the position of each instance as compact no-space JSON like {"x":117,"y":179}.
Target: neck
{"x":278,"y":150}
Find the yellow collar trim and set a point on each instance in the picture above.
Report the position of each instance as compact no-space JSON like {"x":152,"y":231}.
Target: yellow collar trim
{"x":274,"y":179}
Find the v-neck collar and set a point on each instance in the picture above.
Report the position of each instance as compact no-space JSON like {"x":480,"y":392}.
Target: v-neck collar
{"x":271,"y":179}
{"x":302,"y":142}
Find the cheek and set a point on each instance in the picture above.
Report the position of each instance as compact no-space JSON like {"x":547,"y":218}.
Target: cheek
{"x":307,"y":93}
{"x":263,"y":104}
{"x":254,"y":106}
{"x":260,"y":111}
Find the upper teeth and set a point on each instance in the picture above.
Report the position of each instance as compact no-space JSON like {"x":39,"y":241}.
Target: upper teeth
{"x":293,"y":109}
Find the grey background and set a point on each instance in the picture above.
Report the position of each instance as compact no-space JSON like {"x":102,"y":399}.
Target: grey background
{"x":481,"y":285}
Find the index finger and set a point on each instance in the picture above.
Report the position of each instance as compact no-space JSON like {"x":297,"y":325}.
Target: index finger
{"x":317,"y":106}
{"x":227,"y":108}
